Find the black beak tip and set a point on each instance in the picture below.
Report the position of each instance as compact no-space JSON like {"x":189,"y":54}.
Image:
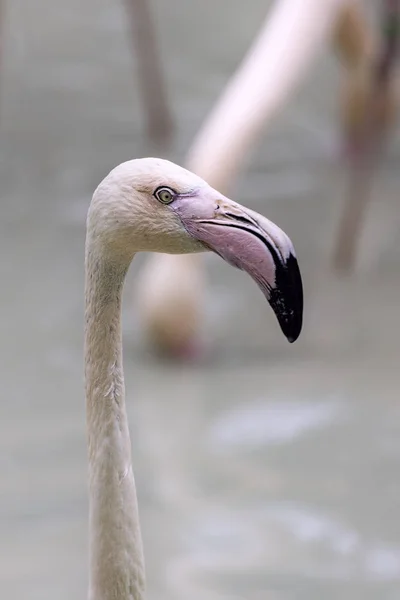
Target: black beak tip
{"x":292,"y":327}
{"x":287,"y":299}
{"x":292,"y":337}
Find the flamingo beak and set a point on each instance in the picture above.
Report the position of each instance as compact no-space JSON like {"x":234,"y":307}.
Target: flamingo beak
{"x":252,"y":243}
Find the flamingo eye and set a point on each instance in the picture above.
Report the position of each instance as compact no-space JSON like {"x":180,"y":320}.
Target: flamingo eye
{"x":164,"y":195}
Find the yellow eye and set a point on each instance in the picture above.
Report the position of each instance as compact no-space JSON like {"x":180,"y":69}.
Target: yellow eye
{"x":164,"y":195}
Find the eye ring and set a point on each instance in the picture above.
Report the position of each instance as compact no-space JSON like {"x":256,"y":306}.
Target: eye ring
{"x":165,"y":195}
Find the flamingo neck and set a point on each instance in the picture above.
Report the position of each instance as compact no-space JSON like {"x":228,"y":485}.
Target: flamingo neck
{"x":116,"y":553}
{"x":288,"y":42}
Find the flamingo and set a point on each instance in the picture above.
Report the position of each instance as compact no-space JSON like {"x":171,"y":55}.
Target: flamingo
{"x":289,"y":40}
{"x":170,"y":290}
{"x":369,"y":105}
{"x":154,"y":205}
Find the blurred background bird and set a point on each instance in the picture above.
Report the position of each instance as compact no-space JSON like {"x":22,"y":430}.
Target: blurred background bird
{"x":259,"y":90}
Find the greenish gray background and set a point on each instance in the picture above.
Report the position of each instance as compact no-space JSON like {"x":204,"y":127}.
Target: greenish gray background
{"x":268,"y":472}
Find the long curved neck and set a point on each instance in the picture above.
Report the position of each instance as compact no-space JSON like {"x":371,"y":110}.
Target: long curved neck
{"x":288,"y":42}
{"x":116,"y":553}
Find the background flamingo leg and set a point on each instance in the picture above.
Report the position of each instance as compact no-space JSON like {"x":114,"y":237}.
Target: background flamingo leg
{"x":351,"y":220}
{"x":368,"y":112}
{"x":159,"y":122}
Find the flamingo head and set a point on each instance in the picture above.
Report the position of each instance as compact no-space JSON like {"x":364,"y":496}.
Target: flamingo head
{"x":154,"y":205}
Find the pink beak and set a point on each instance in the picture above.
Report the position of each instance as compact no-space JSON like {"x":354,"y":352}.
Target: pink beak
{"x":252,"y":243}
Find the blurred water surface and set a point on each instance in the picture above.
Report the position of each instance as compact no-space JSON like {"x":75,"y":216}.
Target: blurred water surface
{"x":270,"y":471}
